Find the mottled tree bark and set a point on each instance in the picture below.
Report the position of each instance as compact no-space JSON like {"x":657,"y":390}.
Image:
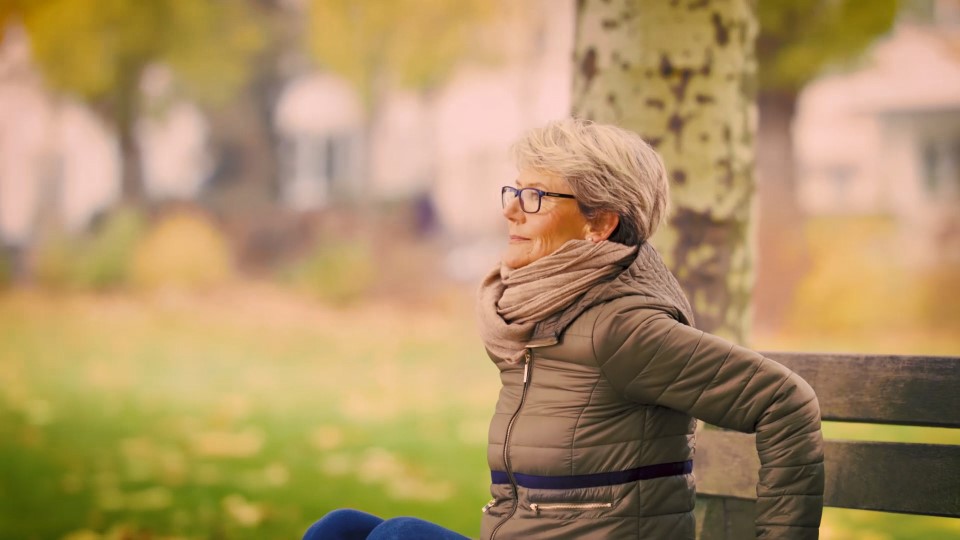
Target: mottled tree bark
{"x":682,"y":74}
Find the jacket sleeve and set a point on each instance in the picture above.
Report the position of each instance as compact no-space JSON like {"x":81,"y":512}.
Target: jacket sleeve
{"x":651,"y":358}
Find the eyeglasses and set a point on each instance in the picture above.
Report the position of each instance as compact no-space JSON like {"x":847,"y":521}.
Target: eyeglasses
{"x":529,"y":197}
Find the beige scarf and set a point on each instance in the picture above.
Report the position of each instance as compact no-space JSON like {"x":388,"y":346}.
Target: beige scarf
{"x":512,"y":302}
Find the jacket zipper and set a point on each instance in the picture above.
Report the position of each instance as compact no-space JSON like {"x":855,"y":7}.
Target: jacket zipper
{"x":537,"y":507}
{"x":489,"y":505}
{"x":527,"y":359}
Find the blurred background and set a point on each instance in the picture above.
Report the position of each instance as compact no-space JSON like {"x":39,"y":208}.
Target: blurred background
{"x":239,"y":242}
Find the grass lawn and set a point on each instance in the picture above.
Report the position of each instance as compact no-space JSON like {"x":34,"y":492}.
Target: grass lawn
{"x":248,"y":413}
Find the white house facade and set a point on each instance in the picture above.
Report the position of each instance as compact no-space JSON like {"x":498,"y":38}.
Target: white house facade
{"x":885,"y":140}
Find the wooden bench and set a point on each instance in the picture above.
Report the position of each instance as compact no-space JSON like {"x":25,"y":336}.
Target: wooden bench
{"x":907,"y":478}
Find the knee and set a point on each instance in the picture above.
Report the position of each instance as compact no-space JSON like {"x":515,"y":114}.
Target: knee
{"x":402,"y":528}
{"x":344,"y":514}
{"x":343,"y":523}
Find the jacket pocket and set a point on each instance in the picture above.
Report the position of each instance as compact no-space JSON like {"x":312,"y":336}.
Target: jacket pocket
{"x":539,"y":508}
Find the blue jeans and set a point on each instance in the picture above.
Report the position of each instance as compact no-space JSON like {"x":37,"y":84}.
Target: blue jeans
{"x":345,"y":524}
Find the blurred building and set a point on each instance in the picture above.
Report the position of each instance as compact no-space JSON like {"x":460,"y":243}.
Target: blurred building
{"x":60,"y":163}
{"x":446,"y":150}
{"x":449,"y":147}
{"x":320,"y":123}
{"x":885,"y":139}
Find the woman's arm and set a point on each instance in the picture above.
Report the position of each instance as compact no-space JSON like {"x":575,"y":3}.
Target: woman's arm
{"x":651,"y":358}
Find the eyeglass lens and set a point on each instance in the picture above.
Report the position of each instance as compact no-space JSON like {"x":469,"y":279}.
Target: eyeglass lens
{"x":529,"y":198}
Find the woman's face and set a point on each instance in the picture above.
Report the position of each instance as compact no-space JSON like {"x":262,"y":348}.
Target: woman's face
{"x":533,"y":236}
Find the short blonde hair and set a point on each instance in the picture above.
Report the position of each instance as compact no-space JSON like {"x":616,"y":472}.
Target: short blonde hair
{"x":608,"y":168}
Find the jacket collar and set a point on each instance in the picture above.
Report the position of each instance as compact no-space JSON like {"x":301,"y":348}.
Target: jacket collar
{"x":646,"y":277}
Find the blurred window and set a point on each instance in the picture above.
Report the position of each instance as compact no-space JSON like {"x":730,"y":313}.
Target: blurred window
{"x":941,"y":167}
{"x":316,"y":159}
{"x":338,"y":159}
{"x":841,"y":180}
{"x":931,"y":165}
{"x":327,"y":160}
{"x":955,"y":164}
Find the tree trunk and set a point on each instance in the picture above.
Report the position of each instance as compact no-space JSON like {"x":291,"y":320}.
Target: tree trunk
{"x":683,"y":75}
{"x":243,"y":189}
{"x":782,"y":255}
{"x":132,"y":188}
{"x":245,"y":181}
{"x":126,"y":111}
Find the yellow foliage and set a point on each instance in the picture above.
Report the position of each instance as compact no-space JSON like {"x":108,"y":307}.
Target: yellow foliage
{"x":337,"y":272}
{"x":184,"y":250}
{"x":411,"y":43}
{"x":52,"y":262}
{"x":858,"y":280}
{"x":92,"y":48}
{"x":96,"y":262}
{"x":941,"y":289}
{"x":6,"y":272}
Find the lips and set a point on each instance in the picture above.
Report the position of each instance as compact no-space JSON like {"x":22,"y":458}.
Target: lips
{"x":515,"y":238}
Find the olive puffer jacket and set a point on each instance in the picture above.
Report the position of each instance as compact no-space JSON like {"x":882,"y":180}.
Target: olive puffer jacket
{"x":594,"y":431}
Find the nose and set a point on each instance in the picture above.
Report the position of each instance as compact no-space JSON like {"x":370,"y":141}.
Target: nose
{"x":512,"y":209}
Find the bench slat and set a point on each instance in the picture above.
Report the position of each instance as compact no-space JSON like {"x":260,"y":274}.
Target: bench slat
{"x":921,"y":479}
{"x":906,"y":390}
{"x":724,"y":518}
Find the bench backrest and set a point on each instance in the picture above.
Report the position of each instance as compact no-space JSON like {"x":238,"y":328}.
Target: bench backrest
{"x":909,"y":478}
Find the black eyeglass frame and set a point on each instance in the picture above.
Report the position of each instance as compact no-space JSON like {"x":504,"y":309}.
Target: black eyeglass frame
{"x":518,"y":193}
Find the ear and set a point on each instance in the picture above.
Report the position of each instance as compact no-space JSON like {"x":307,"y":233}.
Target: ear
{"x":602,"y":226}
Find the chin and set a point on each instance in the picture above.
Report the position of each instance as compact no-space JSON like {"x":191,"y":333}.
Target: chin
{"x":513,"y":260}
{"x":512,"y":263}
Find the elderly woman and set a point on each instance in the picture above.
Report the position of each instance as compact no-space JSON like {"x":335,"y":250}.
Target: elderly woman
{"x":603,"y":372}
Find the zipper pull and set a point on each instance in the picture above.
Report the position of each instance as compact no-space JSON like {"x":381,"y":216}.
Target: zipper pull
{"x":536,"y":509}
{"x":489,"y":505}
{"x":526,"y":366}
